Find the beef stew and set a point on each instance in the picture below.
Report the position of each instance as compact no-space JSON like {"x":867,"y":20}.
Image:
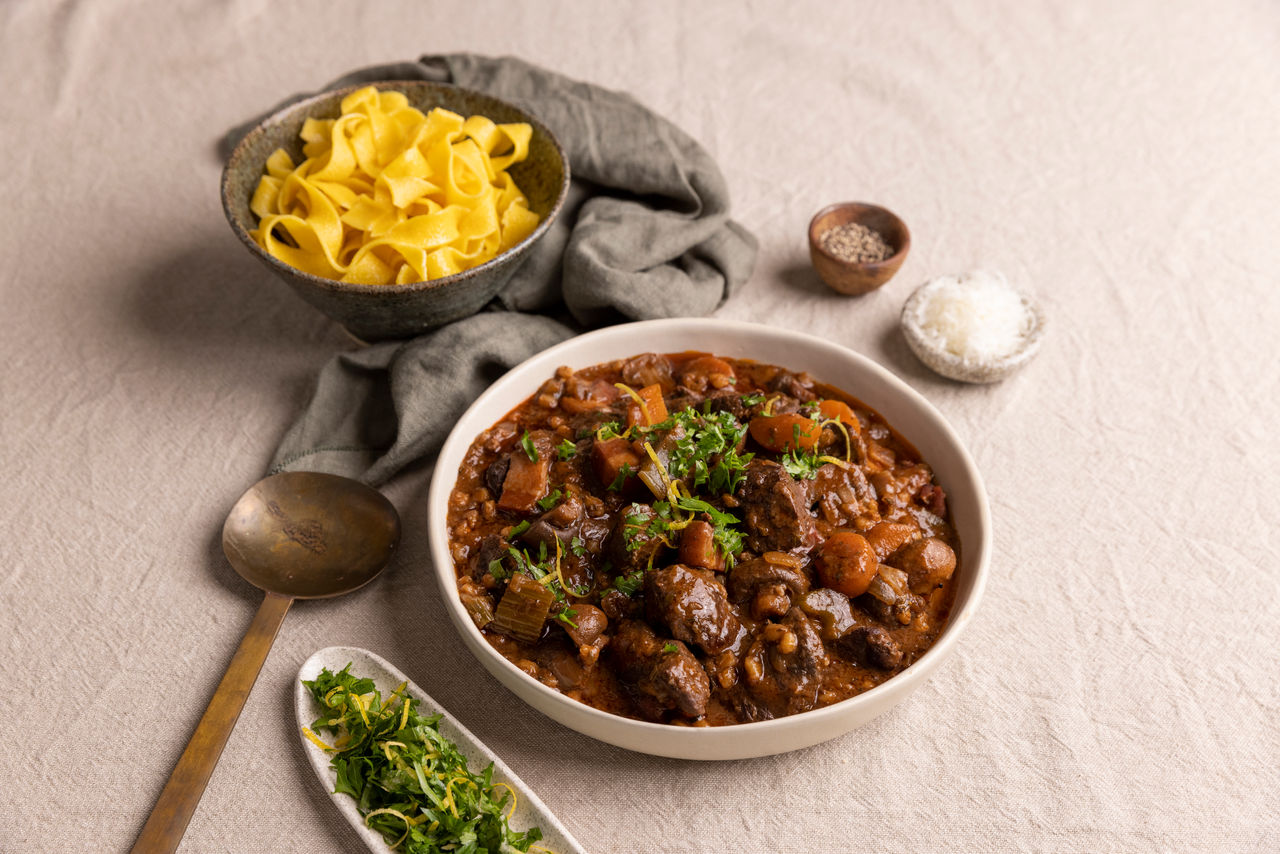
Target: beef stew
{"x":700,"y":540}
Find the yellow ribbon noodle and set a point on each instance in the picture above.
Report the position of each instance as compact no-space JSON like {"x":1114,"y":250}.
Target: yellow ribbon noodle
{"x":388,"y":195}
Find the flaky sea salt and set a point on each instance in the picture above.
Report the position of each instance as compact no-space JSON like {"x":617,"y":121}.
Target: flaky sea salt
{"x":977,"y":316}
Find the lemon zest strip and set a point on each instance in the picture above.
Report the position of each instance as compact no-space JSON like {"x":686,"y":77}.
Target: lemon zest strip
{"x":315,"y":739}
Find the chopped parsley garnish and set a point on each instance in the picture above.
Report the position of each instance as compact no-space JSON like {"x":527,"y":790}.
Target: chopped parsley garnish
{"x":610,"y":430}
{"x":543,"y":568}
{"x":629,"y":584}
{"x":530,"y":450}
{"x":519,"y":529}
{"x":639,"y":526}
{"x":623,"y":473}
{"x":706,"y":450}
{"x":497,"y":570}
{"x":550,"y":501}
{"x":578,"y":547}
{"x":801,"y":464}
{"x":566,"y":450}
{"x":726,"y":538}
{"x":752,"y":399}
{"x":566,"y":616}
{"x":410,"y":782}
{"x":670,"y":647}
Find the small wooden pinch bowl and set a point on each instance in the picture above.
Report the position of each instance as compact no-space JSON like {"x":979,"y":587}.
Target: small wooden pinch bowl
{"x":852,"y":277}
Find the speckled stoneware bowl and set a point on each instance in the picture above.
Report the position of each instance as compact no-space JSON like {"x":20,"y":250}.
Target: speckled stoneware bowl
{"x":379,"y":312}
{"x":956,"y":367}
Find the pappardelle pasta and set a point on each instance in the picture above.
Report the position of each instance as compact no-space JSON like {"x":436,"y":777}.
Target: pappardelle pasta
{"x":389,"y":195}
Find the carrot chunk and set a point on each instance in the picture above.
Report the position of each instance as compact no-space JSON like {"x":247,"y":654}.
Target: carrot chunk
{"x":789,"y":432}
{"x":655,"y":408}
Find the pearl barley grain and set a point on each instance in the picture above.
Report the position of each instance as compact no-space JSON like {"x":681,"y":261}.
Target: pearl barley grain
{"x":855,"y":243}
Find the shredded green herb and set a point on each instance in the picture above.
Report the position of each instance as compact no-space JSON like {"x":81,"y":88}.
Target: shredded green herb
{"x":623,"y":473}
{"x":540,"y":567}
{"x":726,"y":538}
{"x":706,"y":450}
{"x":630,"y":584}
{"x":530,"y":450}
{"x":566,"y":616}
{"x":519,"y":529}
{"x":550,"y":501}
{"x":610,"y":430}
{"x":639,"y":527}
{"x":670,"y":647}
{"x":566,"y":450}
{"x":410,"y":782}
{"x":801,"y":464}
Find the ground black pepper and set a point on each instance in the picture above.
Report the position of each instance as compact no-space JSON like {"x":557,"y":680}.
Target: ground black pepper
{"x":856,"y":243}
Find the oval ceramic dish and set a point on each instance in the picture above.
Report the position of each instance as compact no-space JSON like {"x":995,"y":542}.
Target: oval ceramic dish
{"x":529,"y":811}
{"x":908,"y":412}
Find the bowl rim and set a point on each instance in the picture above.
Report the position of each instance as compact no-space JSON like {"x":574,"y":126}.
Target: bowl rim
{"x":872,"y":266}
{"x":977,"y":556}
{"x":239,"y":153}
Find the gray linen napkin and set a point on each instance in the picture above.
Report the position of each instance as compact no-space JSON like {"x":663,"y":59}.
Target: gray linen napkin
{"x":645,"y":233}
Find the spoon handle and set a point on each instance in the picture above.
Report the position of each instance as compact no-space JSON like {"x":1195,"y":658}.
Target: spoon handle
{"x":163,"y":830}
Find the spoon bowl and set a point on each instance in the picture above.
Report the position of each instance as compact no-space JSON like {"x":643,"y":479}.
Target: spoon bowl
{"x":310,"y":535}
{"x":296,"y":535}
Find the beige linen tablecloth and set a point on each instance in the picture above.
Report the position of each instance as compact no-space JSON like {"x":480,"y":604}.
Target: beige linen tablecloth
{"x":1118,"y":691}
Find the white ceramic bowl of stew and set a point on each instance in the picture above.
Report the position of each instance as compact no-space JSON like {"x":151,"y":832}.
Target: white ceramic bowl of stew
{"x":913,"y":417}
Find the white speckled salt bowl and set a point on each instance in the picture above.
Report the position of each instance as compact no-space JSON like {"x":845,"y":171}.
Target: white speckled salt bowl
{"x":956,"y":367}
{"x":904,"y":408}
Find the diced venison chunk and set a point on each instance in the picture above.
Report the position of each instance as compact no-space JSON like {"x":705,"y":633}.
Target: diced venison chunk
{"x":872,"y":646}
{"x":663,"y":675}
{"x":705,"y":373}
{"x":842,"y":493}
{"x":799,"y":386}
{"x":632,"y":544}
{"x":496,"y":473}
{"x":776,"y":510}
{"x":933,"y":499}
{"x":648,"y":369}
{"x":731,"y":402}
{"x":491,"y":548}
{"x":782,"y":670}
{"x":617,"y":605}
{"x":694,"y":607}
{"x":583,"y":395}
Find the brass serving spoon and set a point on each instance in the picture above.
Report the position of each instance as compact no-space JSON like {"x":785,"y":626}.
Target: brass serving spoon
{"x":297,"y":535}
